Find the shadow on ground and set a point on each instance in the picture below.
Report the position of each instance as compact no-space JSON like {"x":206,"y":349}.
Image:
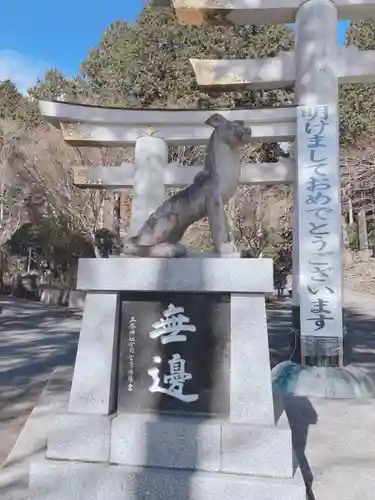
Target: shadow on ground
{"x":34,"y":339}
{"x":360,"y":349}
{"x":32,"y":442}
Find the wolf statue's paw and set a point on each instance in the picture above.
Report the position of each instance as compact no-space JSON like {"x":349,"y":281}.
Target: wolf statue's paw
{"x":168,"y":250}
{"x":130,"y":248}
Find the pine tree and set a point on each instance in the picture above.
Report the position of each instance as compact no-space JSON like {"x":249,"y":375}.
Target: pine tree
{"x":148,"y":64}
{"x":56,"y":86}
{"x":53,"y":86}
{"x":11,"y":100}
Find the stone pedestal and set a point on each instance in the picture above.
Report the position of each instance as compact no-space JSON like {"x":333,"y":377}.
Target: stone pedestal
{"x":107,"y":448}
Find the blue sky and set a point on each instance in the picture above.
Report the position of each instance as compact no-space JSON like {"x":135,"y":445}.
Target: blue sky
{"x":43,"y":34}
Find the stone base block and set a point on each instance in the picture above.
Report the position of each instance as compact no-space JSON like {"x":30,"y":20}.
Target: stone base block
{"x":84,"y":481}
{"x":79,"y":437}
{"x":257,"y":450}
{"x":175,"y":443}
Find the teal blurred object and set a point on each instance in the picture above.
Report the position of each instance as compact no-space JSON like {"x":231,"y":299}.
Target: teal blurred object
{"x":348,"y":382}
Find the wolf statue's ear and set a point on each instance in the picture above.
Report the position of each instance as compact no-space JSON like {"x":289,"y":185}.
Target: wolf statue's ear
{"x":241,"y":123}
{"x":215,"y":120}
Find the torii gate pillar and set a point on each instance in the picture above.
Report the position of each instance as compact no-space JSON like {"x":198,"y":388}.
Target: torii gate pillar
{"x":316,"y":85}
{"x":317,"y":233}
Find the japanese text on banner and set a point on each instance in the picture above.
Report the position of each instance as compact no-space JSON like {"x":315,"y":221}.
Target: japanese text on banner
{"x":319,"y":214}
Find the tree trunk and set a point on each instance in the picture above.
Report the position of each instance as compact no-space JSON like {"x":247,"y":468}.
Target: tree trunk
{"x":117,"y":214}
{"x":350,"y":211}
{"x":231,"y":216}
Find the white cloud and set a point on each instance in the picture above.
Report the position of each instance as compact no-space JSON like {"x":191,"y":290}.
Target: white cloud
{"x":21,"y":69}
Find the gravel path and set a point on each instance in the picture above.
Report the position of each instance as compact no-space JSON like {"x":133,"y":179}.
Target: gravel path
{"x":360,"y":277}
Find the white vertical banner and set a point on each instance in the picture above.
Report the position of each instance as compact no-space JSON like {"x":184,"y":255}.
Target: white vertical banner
{"x":319,"y":229}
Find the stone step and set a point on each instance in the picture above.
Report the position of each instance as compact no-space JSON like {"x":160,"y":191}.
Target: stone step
{"x":84,"y":481}
{"x":174,"y":442}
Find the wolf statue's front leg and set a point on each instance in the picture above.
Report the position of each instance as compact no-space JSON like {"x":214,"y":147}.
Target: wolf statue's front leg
{"x":219,"y":225}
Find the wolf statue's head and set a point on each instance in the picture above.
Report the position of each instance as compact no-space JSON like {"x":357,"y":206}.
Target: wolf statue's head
{"x":231,"y":132}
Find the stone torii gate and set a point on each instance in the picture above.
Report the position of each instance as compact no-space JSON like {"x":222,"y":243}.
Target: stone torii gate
{"x":152,"y":131}
{"x":316,"y":68}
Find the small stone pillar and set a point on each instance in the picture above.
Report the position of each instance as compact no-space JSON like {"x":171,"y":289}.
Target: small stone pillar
{"x":151,"y":158}
{"x":364,"y":252}
{"x":345,"y":236}
{"x":362,"y":230}
{"x":347,"y":254}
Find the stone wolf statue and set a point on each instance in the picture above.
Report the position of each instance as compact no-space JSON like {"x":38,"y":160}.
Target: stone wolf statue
{"x":211,"y":189}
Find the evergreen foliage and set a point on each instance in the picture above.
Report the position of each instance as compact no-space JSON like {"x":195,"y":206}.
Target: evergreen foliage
{"x":357,"y":102}
{"x":147,"y":65}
